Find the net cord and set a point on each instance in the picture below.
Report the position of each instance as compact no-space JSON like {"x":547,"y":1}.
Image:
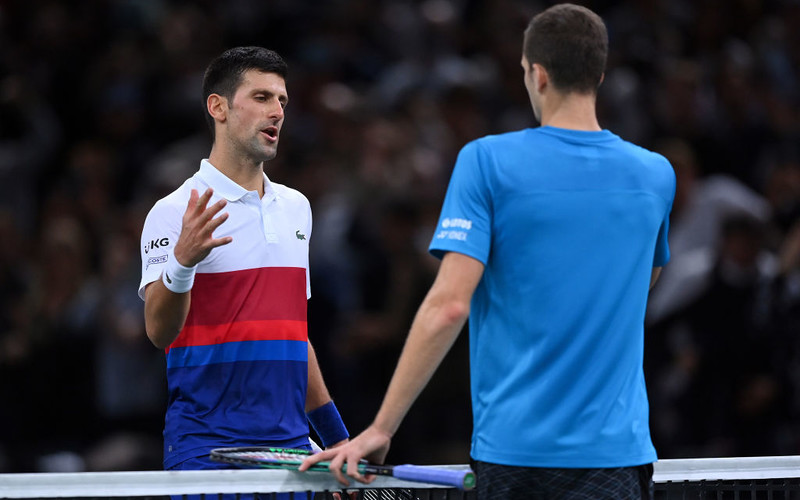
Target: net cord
{"x":162,"y":483}
{"x":727,"y":469}
{"x":158,"y":483}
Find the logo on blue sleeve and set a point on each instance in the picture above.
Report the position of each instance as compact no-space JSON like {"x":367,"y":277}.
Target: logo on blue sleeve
{"x":450,"y":229}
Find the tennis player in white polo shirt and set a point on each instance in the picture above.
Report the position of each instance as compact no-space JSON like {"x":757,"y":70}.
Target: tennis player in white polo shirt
{"x":225,"y":282}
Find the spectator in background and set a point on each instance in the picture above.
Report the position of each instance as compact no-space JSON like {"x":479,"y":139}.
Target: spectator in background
{"x":702,"y":203}
{"x":53,"y":352}
{"x":29,"y":137}
{"x":721,"y":393}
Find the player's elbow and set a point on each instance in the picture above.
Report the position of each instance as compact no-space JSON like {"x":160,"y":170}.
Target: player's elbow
{"x":157,"y":335}
{"x":454,"y":312}
{"x":654,"y":276}
{"x":160,"y":330}
{"x":164,"y":314}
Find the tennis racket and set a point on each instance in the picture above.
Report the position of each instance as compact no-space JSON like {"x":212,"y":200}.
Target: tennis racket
{"x":289,"y":458}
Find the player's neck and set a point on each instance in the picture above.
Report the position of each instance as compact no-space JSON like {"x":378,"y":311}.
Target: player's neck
{"x":242,"y":171}
{"x":571,"y":111}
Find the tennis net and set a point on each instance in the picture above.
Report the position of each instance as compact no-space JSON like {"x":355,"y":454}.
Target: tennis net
{"x":740,"y":478}
{"x":756,"y":478}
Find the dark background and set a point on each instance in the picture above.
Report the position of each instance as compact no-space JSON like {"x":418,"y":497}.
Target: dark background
{"x":101,"y":115}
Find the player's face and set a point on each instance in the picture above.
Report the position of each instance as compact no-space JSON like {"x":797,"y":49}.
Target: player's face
{"x":256,"y":115}
{"x":530,"y":85}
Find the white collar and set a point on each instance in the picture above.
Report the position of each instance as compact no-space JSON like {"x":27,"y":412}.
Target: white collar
{"x":227,"y":188}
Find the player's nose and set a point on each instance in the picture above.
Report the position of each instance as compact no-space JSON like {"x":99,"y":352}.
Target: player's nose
{"x":276,"y":111}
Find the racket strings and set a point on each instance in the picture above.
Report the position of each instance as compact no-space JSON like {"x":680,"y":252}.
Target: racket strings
{"x":393,"y":494}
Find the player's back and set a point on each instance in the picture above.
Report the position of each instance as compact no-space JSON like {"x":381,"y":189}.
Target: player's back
{"x":557,"y":321}
{"x":583,"y":204}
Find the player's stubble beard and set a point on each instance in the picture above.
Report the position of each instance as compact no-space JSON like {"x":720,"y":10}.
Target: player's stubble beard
{"x":256,"y":150}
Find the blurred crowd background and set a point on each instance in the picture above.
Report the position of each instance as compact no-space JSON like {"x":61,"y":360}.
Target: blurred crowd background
{"x":101,"y":115}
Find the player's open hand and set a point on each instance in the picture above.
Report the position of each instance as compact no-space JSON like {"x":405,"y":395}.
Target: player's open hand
{"x":197,"y":232}
{"x":372,"y":445}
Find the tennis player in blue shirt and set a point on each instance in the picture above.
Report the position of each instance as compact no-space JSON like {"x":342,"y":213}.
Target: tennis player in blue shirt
{"x":550,"y":239}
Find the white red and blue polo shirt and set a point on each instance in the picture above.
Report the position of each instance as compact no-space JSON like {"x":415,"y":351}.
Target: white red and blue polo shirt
{"x":237,"y":373}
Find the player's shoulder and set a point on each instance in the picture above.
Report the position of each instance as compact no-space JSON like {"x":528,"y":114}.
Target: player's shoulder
{"x":487,"y":149}
{"x":176,"y":200}
{"x":655,"y":161}
{"x":505,"y":139}
{"x":643,"y":152}
{"x":289,"y":194}
{"x":650,"y":166}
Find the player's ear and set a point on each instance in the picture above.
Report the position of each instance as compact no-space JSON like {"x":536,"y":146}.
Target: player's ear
{"x":540,"y":77}
{"x":217,"y":106}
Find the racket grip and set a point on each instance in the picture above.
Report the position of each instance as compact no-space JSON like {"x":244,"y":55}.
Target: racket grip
{"x":463,"y":479}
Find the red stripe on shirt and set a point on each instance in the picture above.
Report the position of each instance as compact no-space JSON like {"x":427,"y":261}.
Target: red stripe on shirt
{"x":242,"y":331}
{"x":267,"y":293}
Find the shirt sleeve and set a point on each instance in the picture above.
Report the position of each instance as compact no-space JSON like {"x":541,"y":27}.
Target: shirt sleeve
{"x":662,"y":254}
{"x":159,"y":235}
{"x":465,"y":222}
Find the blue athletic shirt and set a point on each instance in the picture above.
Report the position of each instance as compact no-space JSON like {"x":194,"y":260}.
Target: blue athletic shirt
{"x":569,"y":225}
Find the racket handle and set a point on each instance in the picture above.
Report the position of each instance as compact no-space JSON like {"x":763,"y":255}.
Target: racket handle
{"x":463,"y":479}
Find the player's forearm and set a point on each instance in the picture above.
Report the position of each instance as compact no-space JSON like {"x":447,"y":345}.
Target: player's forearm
{"x":654,"y":276}
{"x":321,"y":412}
{"x":432,"y":334}
{"x":164,"y":313}
{"x":317,"y":393}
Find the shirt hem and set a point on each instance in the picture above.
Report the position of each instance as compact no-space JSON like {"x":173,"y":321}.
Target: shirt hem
{"x":554,"y":461}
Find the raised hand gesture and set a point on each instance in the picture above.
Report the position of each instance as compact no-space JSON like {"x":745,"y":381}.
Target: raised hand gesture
{"x":197,"y":231}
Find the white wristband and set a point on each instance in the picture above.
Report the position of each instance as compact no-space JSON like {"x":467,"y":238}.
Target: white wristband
{"x":176,"y":277}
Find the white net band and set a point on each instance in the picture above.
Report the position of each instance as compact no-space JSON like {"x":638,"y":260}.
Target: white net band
{"x":165,"y":483}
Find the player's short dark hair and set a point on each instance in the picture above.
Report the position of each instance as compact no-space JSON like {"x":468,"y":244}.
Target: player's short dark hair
{"x":225,"y":73}
{"x":571,"y":43}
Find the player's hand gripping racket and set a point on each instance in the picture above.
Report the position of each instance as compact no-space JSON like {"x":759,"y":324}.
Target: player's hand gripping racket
{"x":289,"y":458}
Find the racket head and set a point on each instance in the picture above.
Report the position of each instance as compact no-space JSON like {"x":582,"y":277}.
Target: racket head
{"x":266,"y":457}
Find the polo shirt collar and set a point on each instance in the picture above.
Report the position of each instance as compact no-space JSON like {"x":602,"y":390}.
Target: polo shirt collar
{"x":225,"y":187}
